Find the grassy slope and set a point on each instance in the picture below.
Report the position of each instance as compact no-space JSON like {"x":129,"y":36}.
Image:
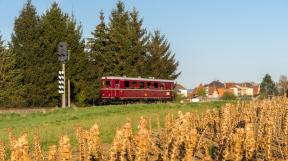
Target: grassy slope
{"x":63,"y":121}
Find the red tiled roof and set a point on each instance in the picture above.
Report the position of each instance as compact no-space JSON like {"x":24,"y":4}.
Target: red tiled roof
{"x":232,"y":85}
{"x":216,"y":84}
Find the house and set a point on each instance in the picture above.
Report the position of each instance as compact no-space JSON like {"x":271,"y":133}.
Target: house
{"x":215,"y":90}
{"x":180,"y":89}
{"x":233,"y":88}
{"x":212,"y":93}
{"x":243,"y":89}
{"x":246,"y":89}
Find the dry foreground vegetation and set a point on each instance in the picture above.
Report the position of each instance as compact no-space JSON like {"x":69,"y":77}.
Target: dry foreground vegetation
{"x":256,"y":130}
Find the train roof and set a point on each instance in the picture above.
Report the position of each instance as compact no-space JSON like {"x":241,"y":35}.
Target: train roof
{"x":142,"y":79}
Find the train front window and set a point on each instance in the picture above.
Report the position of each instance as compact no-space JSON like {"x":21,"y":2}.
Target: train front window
{"x":107,"y":84}
{"x":126,"y":84}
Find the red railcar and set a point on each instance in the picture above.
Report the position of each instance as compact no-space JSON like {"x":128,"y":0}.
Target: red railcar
{"x":136,"y":89}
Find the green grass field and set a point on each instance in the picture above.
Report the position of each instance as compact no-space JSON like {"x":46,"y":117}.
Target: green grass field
{"x":53,"y":124}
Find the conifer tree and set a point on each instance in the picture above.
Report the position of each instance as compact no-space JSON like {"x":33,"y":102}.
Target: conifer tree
{"x":160,"y":62}
{"x":98,"y":48}
{"x":77,"y":64}
{"x":11,"y":88}
{"x":119,"y":40}
{"x":268,"y":87}
{"x":59,"y":27}
{"x":2,"y":58}
{"x":139,"y":39}
{"x":3,"y":70}
{"x":99,"y":61}
{"x":25,"y":47}
{"x":127,"y":42}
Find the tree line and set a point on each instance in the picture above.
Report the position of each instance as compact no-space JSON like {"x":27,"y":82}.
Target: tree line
{"x":269,"y":88}
{"x":122,"y":46}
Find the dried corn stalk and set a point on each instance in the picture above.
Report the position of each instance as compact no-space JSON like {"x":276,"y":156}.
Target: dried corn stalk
{"x":65,"y":150}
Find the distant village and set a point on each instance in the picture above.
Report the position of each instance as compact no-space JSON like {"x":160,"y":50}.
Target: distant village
{"x":217,"y":89}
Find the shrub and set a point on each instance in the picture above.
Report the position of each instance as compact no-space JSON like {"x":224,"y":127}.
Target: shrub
{"x":228,"y":96}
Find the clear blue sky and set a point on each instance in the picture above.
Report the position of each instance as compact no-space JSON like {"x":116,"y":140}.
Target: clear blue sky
{"x":227,"y":40}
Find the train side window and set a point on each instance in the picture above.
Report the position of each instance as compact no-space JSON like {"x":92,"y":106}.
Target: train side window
{"x":134,"y":84}
{"x":126,"y":84}
{"x":141,"y":85}
{"x":148,"y":85}
{"x":117,"y":84}
{"x":107,"y":84}
{"x":162,"y":85}
{"x":156,"y":85}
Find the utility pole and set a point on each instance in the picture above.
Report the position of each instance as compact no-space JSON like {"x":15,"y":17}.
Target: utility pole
{"x":68,"y":84}
{"x":69,"y":103}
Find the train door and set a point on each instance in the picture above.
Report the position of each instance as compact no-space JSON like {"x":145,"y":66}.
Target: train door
{"x":142,"y":91}
{"x":112,"y":88}
{"x":148,"y":94}
{"x":106,"y":88}
{"x":156,"y":90}
{"x":116,"y":89}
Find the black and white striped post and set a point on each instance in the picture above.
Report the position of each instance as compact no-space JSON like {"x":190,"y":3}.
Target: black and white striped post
{"x":61,"y":86}
{"x":62,"y":57}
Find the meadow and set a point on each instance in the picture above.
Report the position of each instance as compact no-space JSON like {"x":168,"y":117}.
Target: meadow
{"x":238,"y":131}
{"x":53,"y":123}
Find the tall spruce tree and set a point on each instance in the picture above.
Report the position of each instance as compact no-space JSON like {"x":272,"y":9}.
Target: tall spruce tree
{"x":127,"y":42}
{"x":160,"y":62}
{"x":119,"y":41}
{"x":99,"y":60}
{"x":139,"y":39}
{"x":98,"y":48}
{"x":25,"y":46}
{"x":77,"y":64}
{"x":3,"y":73}
{"x":56,"y":27}
{"x":11,"y":88}
{"x":2,"y":60}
